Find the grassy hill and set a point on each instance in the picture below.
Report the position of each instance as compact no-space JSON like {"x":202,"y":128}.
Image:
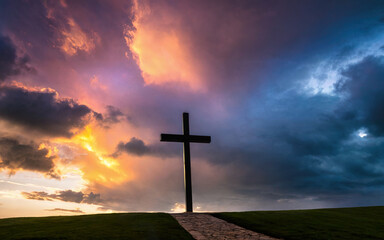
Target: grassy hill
{"x":342,"y":223}
{"x":100,"y":226}
{"x":320,"y":224}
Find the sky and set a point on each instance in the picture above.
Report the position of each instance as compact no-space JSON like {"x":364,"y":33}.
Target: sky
{"x":289,"y":91}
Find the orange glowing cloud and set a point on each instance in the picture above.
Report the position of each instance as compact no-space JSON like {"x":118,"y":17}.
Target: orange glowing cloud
{"x":160,"y":49}
{"x":94,"y":160}
{"x":74,"y":39}
{"x":83,"y":148}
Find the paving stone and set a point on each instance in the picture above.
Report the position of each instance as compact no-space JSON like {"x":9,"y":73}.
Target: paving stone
{"x":206,"y":227}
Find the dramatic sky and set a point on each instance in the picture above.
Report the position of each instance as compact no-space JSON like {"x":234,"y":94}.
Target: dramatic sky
{"x":292,"y":93}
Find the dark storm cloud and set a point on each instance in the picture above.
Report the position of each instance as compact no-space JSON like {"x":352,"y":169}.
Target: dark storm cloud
{"x":66,"y":196}
{"x":136,"y":146}
{"x":278,"y":33}
{"x":10,"y":63}
{"x":298,"y":146}
{"x":42,"y":111}
{"x":309,"y":145}
{"x":113,"y":115}
{"x":364,"y":86}
{"x":91,"y":198}
{"x":15,"y":155}
{"x":39,"y":24}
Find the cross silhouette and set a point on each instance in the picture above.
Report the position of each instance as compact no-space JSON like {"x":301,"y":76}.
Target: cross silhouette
{"x":186,"y":138}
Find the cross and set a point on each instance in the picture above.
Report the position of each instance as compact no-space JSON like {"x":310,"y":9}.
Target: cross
{"x":186,"y":139}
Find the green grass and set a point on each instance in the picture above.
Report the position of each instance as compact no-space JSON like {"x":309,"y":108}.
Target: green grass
{"x":341,"y":223}
{"x":100,"y":226}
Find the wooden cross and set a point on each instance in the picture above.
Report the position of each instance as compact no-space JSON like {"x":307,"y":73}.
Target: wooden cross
{"x":186,"y":138}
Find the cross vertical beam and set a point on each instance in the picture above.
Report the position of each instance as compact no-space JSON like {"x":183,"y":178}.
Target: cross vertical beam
{"x":187,"y":165}
{"x":186,"y":139}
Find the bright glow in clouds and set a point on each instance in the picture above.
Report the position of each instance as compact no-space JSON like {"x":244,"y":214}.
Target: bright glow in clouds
{"x":324,"y":85}
{"x":95,"y":164}
{"x":362,"y":132}
{"x":327,"y":73}
{"x":178,"y":208}
{"x":76,"y":40}
{"x":160,"y":49}
{"x":14,"y":204}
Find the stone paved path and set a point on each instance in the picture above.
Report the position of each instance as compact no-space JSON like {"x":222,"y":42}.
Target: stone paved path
{"x":206,"y":227}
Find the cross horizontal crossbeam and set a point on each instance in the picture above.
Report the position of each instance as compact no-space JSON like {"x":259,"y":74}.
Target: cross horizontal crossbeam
{"x":184,"y":138}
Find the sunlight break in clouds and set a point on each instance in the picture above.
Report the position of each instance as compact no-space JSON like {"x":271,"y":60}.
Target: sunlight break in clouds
{"x":94,"y":162}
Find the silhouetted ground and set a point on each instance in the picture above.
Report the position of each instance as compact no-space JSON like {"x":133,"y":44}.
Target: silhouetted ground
{"x":100,"y":226}
{"x":341,"y":223}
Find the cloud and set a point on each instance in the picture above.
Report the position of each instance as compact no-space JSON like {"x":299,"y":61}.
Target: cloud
{"x":10,"y":63}
{"x":276,"y":143}
{"x":218,"y":60}
{"x":298,"y":146}
{"x":65,"y":210}
{"x":68,"y":196}
{"x":320,"y":153}
{"x":136,"y":146}
{"x":364,"y":87}
{"x":74,"y":39}
{"x":65,"y":196}
{"x":42,"y":111}
{"x":113,"y":115}
{"x":103,"y":209}
{"x":92,"y":198}
{"x":270,"y":142}
{"x":15,"y":155}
